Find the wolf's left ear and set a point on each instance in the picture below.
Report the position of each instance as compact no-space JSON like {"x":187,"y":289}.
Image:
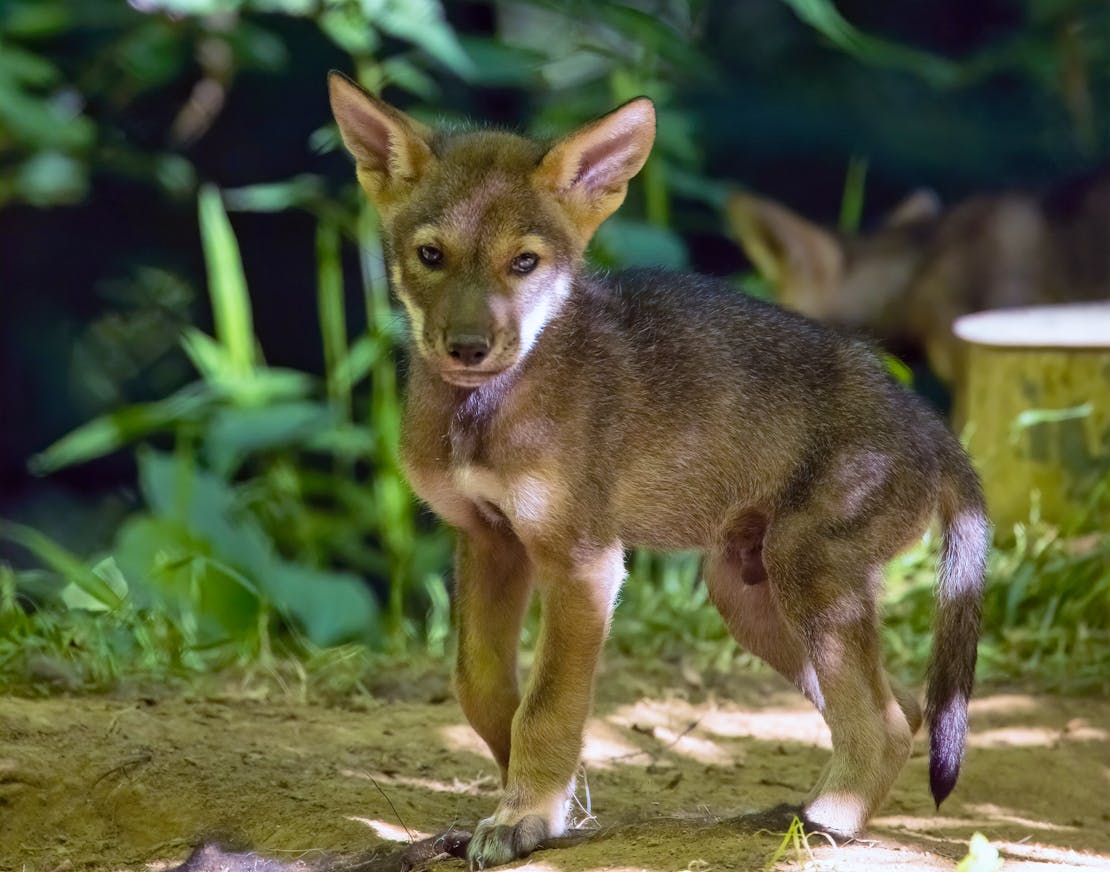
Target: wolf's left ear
{"x":590,"y":169}
{"x":390,"y":149}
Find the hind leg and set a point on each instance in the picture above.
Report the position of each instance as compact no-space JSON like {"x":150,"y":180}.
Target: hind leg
{"x":736,"y":577}
{"x":826,"y":592}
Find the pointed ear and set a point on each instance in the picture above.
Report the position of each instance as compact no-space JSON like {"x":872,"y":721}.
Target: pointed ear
{"x":589,"y":170}
{"x":795,"y":255}
{"x":390,"y":149}
{"x":919,"y":207}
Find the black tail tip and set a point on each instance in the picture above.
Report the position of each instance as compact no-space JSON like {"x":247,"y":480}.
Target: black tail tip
{"x":943,"y":775}
{"x":947,"y":736}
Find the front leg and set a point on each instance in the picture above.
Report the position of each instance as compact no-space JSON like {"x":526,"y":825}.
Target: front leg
{"x":577,"y":598}
{"x":493,"y":587}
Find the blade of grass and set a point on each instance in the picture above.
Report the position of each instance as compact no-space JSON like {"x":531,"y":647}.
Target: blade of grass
{"x":62,"y":561}
{"x":333,"y":316}
{"x":397,"y":515}
{"x":825,"y":18}
{"x":227,"y":284}
{"x":111,"y":432}
{"x":851,"y":204}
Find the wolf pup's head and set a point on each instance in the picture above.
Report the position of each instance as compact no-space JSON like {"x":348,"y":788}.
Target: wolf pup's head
{"x":484,"y":230}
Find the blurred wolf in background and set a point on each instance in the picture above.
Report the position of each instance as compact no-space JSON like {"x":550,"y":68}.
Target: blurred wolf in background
{"x":906,"y":282}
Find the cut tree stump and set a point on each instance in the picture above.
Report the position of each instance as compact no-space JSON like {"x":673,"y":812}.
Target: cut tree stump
{"x":1034,"y":405}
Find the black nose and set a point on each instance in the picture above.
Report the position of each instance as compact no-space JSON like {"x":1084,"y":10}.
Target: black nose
{"x":468,"y":349}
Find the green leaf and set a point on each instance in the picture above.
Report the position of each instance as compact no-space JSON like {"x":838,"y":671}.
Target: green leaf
{"x":1033,"y":417}
{"x":348,"y":30}
{"x":153,"y":54}
{"x":400,"y":72}
{"x":62,"y":561}
{"x":332,"y":607}
{"x":422,"y":23}
{"x":275,"y":196}
{"x":260,"y":386}
{"x":331,"y":307}
{"x":359,"y":360}
{"x":227,"y":285}
{"x":75,"y":597}
{"x":234,"y":433}
{"x":37,"y":19}
{"x":824,"y":17}
{"x":258,"y":49}
{"x":173,"y":570}
{"x":25,"y":67}
{"x":207,"y":355}
{"x":208,"y":507}
{"x":110,"y":432}
{"x":288,"y":7}
{"x":50,"y":177}
{"x":851,"y":203}
{"x":348,"y":441}
{"x":497,"y":63}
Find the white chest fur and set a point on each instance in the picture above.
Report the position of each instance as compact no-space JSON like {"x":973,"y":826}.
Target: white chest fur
{"x":527,"y":500}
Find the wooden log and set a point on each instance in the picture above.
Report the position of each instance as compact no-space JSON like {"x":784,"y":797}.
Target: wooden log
{"x":1034,"y":404}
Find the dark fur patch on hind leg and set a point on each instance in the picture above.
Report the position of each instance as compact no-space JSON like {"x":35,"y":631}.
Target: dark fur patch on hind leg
{"x":745,"y":547}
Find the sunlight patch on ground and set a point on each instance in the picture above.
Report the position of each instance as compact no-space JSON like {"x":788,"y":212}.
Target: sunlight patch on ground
{"x":460,"y":737}
{"x":693,"y":747}
{"x":483,"y":785}
{"x":605,"y":746}
{"x":1041,"y":854}
{"x":1003,"y":704}
{"x":676,"y":716}
{"x":921,"y":824}
{"x":390,"y":832}
{"x":1012,"y":816}
{"x":1078,"y":730}
{"x":868,"y":858}
{"x":988,"y":814}
{"x":770,"y":725}
{"x":1031,"y":737}
{"x":1014,"y":737}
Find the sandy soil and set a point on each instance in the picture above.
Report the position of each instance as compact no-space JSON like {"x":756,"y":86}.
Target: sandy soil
{"x":95,"y":783}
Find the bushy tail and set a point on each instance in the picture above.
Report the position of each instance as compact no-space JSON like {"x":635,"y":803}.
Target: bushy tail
{"x":964,"y":546}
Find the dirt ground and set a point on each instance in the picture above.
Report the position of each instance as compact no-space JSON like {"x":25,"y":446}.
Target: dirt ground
{"x":136,"y":782}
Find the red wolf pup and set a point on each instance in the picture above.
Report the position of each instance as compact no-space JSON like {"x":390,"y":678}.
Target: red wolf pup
{"x":555,"y":417}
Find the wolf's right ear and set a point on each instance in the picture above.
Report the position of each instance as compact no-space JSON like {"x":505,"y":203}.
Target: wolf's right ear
{"x":390,"y":149}
{"x":795,"y":255}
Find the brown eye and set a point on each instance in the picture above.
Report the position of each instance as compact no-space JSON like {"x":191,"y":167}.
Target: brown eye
{"x":525,"y":263}
{"x":429,"y":255}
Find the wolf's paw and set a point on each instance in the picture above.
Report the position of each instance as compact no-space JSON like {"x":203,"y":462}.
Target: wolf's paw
{"x":840,"y":816}
{"x":494,"y":844}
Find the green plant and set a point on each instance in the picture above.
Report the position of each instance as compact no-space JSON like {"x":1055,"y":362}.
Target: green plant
{"x":1060,"y":52}
{"x":794,"y":844}
{"x":269,"y":483}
